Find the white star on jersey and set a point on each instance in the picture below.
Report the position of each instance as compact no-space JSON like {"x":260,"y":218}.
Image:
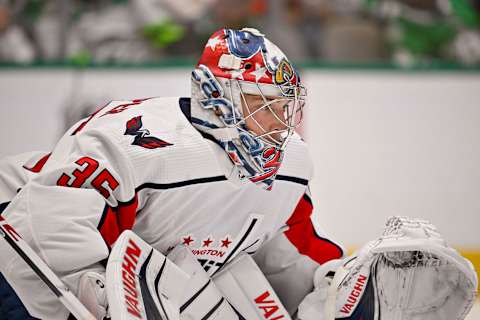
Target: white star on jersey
{"x":237,"y":74}
{"x":212,"y":43}
{"x":259,"y":73}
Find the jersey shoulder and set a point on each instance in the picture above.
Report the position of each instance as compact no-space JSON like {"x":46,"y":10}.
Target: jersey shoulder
{"x":163,"y":113}
{"x":16,"y":170}
{"x":156,"y":138}
{"x":297,"y":162}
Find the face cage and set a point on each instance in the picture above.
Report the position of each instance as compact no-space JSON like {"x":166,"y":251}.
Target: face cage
{"x":292,"y":115}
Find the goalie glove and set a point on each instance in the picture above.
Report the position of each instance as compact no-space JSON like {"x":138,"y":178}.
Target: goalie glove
{"x":409,"y":273}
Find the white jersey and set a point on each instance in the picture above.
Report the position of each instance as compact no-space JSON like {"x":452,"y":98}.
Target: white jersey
{"x":15,"y":171}
{"x":141,"y":165}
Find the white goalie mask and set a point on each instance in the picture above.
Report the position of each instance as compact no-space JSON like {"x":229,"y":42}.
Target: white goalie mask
{"x":248,"y":97}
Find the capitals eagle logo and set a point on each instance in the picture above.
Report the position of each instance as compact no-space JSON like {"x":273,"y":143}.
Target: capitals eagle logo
{"x":142,"y":136}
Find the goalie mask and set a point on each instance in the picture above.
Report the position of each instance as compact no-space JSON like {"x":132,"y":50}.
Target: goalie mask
{"x":248,"y":97}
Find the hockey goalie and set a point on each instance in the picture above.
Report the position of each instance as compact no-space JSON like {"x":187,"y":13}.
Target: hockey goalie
{"x":199,"y":208}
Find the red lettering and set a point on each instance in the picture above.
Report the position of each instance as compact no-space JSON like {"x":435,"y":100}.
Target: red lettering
{"x":114,"y":110}
{"x":269,"y":307}
{"x":132,"y":306}
{"x":130,"y":260}
{"x":10,"y":230}
{"x":261,"y":298}
{"x":358,"y":287}
{"x":80,"y":176}
{"x":361,"y":279}
{"x":128,"y":265}
{"x":211,"y":252}
{"x":129,"y":282}
{"x":123,"y":107}
{"x":356,"y":292}
{"x":271,"y":166}
{"x":83,"y":124}
{"x":346,"y":308}
{"x":88,"y":167}
{"x":133,"y":251}
{"x":104,"y":177}
{"x":269,"y":311}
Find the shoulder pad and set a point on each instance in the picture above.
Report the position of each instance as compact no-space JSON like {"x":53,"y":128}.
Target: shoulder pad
{"x":297,"y":162}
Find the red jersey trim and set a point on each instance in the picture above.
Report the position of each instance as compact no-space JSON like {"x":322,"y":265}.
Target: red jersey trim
{"x":301,"y":233}
{"x":39,"y":165}
{"x":115,"y":220}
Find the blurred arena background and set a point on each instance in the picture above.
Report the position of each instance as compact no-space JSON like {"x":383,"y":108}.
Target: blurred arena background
{"x":394,"y":91}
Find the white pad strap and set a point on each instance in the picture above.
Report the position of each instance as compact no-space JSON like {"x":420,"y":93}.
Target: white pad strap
{"x":201,"y":298}
{"x":244,"y":285}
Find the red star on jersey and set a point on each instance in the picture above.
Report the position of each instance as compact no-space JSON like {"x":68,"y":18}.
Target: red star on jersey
{"x":226,"y":242}
{"x":207,"y":242}
{"x":187,"y":240}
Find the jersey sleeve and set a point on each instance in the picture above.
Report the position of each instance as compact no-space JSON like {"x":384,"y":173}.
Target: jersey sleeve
{"x":290,"y":258}
{"x":70,"y":213}
{"x":15,"y":171}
